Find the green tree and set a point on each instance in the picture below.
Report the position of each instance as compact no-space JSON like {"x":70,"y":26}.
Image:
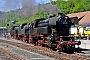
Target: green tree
{"x":73,"y":6}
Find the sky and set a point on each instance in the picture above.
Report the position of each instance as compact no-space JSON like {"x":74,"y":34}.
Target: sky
{"x":7,"y":5}
{"x":44,"y":1}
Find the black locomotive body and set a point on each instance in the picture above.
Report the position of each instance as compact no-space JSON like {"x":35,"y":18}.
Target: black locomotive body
{"x":52,"y":32}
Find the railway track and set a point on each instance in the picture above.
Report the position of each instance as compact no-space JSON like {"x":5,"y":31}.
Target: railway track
{"x":4,"y":56}
{"x":12,"y":54}
{"x":48,"y":52}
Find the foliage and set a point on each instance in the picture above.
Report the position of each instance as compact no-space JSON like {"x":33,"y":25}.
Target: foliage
{"x":73,"y":6}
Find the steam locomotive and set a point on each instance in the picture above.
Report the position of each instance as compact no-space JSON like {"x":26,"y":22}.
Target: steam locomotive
{"x":52,"y":32}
